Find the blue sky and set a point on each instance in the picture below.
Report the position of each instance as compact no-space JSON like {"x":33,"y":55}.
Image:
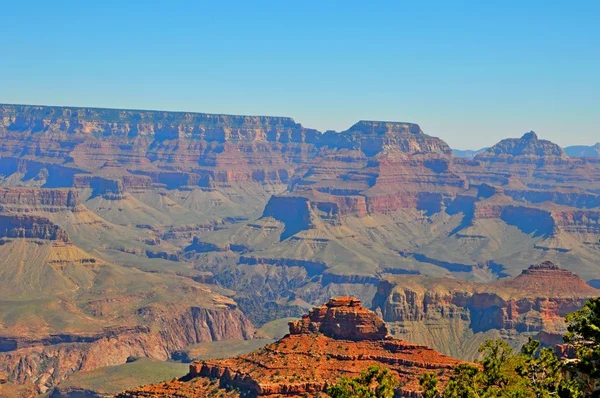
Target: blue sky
{"x":468,"y":72}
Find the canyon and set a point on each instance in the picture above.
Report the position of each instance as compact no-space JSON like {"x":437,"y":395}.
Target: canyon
{"x":128,"y":233}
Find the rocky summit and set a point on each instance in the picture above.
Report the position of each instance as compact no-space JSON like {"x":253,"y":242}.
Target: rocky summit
{"x":341,"y":318}
{"x":309,"y":359}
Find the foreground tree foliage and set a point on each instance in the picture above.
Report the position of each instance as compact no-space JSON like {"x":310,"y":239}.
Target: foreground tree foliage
{"x":583,"y":334}
{"x":375,"y":382}
{"x":534,"y":371}
{"x":504,"y":373}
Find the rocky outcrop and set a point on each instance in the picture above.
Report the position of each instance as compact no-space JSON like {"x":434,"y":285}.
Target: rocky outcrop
{"x":183,"y":388}
{"x":310,"y":359}
{"x":38,"y":199}
{"x":34,"y":227}
{"x":341,"y":318}
{"x":534,"y":302}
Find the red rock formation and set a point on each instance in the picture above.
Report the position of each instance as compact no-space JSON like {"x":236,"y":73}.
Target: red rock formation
{"x":341,"y":318}
{"x":315,"y":354}
{"x":335,"y":339}
{"x":181,"y":388}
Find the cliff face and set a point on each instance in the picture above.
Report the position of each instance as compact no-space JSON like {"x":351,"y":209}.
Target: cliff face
{"x":373,"y":137}
{"x":200,"y":147}
{"x":61,"y":122}
{"x":313,"y":356}
{"x":162,"y":125}
{"x":49,"y":361}
{"x":64,"y":310}
{"x":25,"y":226}
{"x":532,"y":304}
{"x":33,"y":199}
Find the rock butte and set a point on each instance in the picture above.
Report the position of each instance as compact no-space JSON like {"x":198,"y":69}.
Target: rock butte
{"x":341,"y":318}
{"x":315,"y":354}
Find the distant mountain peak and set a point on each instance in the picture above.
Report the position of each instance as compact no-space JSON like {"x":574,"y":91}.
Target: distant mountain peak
{"x":531,"y":136}
{"x":529,"y":146}
{"x":578,"y":151}
{"x":468,"y":153}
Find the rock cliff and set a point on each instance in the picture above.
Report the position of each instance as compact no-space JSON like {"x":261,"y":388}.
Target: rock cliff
{"x":64,"y":310}
{"x":30,"y":199}
{"x":47,"y":361}
{"x":26,"y":226}
{"x":531,"y":304}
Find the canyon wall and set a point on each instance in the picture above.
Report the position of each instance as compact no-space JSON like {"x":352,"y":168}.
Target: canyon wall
{"x":532,"y":304}
{"x":49,"y":361}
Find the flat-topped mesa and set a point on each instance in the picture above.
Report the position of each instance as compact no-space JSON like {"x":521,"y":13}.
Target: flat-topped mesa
{"x":373,"y":137}
{"x":342,"y":318}
{"x":528,"y":147}
{"x":382,"y":127}
{"x":162,"y":125}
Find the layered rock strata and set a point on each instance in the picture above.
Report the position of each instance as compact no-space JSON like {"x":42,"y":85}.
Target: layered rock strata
{"x":315,"y":354}
{"x":45,"y":362}
{"x":531,"y":304}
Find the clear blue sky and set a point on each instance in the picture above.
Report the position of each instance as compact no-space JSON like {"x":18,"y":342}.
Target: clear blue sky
{"x":468,"y":72}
